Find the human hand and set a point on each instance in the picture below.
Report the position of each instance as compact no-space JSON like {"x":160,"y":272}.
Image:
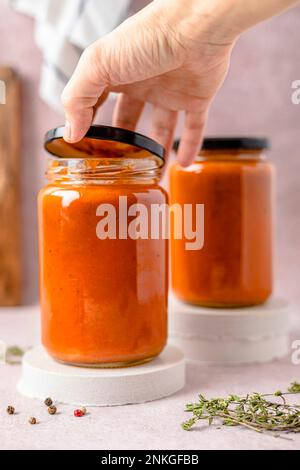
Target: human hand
{"x":172,"y":54}
{"x":152,"y":57}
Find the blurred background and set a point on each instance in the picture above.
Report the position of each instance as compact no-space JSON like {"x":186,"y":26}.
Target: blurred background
{"x":255,"y":100}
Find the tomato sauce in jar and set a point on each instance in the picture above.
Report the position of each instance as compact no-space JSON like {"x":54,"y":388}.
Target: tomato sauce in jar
{"x":234,"y":181}
{"x":103,"y":292}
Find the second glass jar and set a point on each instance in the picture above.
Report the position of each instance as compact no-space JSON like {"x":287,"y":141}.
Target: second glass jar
{"x":235,"y":182}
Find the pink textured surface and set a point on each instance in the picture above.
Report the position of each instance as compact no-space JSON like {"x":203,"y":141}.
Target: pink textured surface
{"x":255,"y":99}
{"x":154,"y":425}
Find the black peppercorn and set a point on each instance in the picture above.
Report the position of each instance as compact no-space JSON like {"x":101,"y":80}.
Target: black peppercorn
{"x":10,"y":410}
{"x":32,"y":420}
{"x":48,"y":401}
{"x":52,"y":410}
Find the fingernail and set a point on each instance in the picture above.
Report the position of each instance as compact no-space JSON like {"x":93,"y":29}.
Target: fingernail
{"x":67,"y":131}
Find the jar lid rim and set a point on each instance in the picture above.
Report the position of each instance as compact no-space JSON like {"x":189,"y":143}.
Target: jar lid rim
{"x":232,"y":143}
{"x":102,"y":132}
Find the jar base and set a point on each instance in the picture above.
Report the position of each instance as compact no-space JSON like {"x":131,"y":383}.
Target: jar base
{"x":108,"y":365}
{"x":222,"y":305}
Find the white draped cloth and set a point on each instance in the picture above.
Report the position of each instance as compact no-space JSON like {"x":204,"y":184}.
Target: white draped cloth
{"x":64,"y":28}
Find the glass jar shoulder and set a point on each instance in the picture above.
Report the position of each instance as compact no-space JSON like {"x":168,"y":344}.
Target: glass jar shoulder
{"x":95,"y":193}
{"x":222,"y":167}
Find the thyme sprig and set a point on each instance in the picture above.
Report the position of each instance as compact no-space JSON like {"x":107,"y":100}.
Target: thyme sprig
{"x":11,"y":355}
{"x":255,"y":411}
{"x":14,"y":355}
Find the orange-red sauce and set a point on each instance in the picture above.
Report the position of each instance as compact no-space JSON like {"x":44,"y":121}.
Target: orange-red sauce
{"x":234,"y":267}
{"x":104,"y":302}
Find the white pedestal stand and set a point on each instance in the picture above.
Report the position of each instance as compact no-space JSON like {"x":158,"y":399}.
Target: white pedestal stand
{"x":230,"y":336}
{"x":43,"y":377}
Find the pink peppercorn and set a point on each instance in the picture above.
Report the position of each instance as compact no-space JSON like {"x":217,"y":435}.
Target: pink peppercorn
{"x":78,"y":413}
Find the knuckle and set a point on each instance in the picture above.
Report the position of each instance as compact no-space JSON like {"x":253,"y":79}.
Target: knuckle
{"x":197,"y":122}
{"x":162,"y":129}
{"x":89,"y":54}
{"x":125,"y":122}
{"x":97,"y":58}
{"x":67,"y":99}
{"x":198,"y":105}
{"x":196,"y":125}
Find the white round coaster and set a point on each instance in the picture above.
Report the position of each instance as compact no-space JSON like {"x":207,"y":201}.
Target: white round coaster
{"x":230,"y":336}
{"x":42,"y":377}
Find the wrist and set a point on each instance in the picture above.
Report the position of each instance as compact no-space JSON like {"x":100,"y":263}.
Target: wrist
{"x":220,"y":21}
{"x":233,"y":17}
{"x":206,"y":20}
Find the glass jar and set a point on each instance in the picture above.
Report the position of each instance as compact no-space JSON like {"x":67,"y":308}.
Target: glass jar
{"x":234,"y":181}
{"x":103,"y":287}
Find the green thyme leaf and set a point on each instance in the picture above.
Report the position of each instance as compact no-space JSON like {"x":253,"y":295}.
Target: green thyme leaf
{"x":255,"y":411}
{"x":294,"y":387}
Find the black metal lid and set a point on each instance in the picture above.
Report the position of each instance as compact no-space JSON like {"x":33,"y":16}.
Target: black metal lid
{"x":104,"y":141}
{"x":232,"y":143}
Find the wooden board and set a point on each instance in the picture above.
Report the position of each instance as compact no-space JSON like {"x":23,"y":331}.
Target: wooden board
{"x":10,"y":255}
